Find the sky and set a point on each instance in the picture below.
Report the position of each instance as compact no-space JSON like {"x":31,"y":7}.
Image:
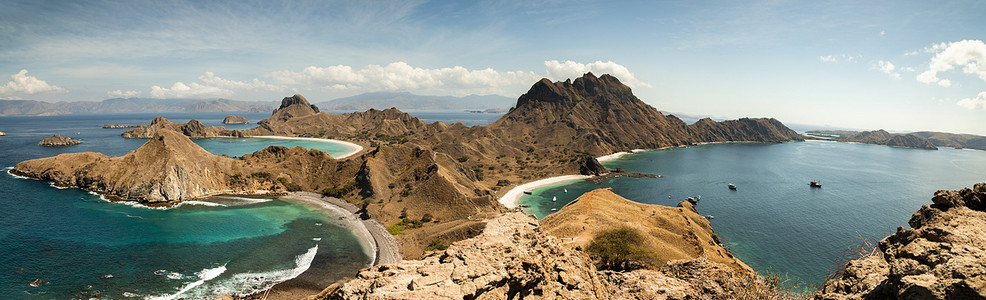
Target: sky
{"x":896,"y":65}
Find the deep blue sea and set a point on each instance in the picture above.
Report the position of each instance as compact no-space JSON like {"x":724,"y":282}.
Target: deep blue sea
{"x":774,"y":221}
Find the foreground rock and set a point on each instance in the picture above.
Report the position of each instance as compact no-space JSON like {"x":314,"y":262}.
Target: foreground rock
{"x":58,"y":141}
{"x":235,"y":120}
{"x":942,"y":255}
{"x":2,"y":133}
{"x":672,"y":233}
{"x":514,"y":258}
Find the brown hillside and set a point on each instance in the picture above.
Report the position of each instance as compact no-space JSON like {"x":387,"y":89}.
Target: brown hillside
{"x":671,"y":232}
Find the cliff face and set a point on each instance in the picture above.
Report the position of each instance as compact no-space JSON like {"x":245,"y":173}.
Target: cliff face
{"x":193,"y":129}
{"x":513,"y":258}
{"x":58,"y":140}
{"x":942,"y":255}
{"x":671,"y":232}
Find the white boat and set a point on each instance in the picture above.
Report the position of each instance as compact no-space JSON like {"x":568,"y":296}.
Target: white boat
{"x":553,"y":199}
{"x":566,"y":190}
{"x":554,"y":209}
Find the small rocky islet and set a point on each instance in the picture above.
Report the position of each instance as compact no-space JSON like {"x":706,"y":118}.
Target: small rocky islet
{"x":435,"y":184}
{"x":58,"y":141}
{"x":235,"y":120}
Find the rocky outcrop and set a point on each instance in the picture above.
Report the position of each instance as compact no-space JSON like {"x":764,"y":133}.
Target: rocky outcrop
{"x":942,"y":255}
{"x":59,"y":141}
{"x":2,"y":133}
{"x":672,"y":233}
{"x":235,"y":120}
{"x":193,"y":128}
{"x":513,"y":258}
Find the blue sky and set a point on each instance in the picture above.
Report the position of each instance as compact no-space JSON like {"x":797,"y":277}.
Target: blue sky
{"x":898,"y":65}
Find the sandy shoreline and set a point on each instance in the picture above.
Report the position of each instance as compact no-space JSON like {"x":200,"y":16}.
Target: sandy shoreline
{"x":382,"y":245}
{"x":618,"y":155}
{"x":512,"y":198}
{"x":353,"y":148}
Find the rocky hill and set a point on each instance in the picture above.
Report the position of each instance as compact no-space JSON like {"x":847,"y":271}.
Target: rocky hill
{"x":670,"y":232}
{"x":514,"y":258}
{"x":193,"y":128}
{"x":168,"y":168}
{"x":58,"y":141}
{"x":943,"y":139}
{"x":942,"y":255}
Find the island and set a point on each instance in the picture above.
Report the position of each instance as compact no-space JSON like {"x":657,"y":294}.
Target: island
{"x":235,"y":120}
{"x":114,"y":126}
{"x":876,"y":137}
{"x":58,"y":141}
{"x":437,"y":189}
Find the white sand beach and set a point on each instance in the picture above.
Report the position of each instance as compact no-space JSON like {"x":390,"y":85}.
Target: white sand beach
{"x":512,"y":198}
{"x":617,"y":155}
{"x":353,"y":148}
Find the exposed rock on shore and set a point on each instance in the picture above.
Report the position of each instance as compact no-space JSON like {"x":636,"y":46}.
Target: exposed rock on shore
{"x":942,"y":255}
{"x":235,"y":120}
{"x":514,"y":258}
{"x":58,"y":141}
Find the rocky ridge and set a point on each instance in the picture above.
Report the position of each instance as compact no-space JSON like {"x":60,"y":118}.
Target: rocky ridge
{"x":513,"y":258}
{"x":942,"y":255}
{"x":878,"y":137}
{"x":193,"y":128}
{"x":235,"y":120}
{"x":58,"y":141}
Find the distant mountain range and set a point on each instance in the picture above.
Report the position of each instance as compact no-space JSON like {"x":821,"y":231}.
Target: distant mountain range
{"x":130,"y":105}
{"x":406,"y":101}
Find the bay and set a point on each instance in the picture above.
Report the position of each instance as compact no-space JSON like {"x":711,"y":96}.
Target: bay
{"x":774,"y":221}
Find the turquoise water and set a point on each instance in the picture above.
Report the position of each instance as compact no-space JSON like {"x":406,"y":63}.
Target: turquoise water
{"x":774,"y":221}
{"x":242,"y":146}
{"x":83,"y":245}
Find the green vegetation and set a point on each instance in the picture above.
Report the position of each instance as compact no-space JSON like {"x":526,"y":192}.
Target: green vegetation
{"x":405,"y":224}
{"x":502,"y":182}
{"x":622,"y":249}
{"x":292,"y":187}
{"x":478,"y":170}
{"x":436,"y":245}
{"x":462,"y":159}
{"x":261,"y":175}
{"x":337,"y":191}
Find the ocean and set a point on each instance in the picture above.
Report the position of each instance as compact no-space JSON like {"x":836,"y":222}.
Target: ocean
{"x":81,"y":246}
{"x":774,"y":221}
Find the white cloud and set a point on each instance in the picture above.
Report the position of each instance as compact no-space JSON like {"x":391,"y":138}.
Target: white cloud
{"x":571,"y":69}
{"x":191,"y":90}
{"x":827,"y":58}
{"x":887,"y":68}
{"x":212,"y":86}
{"x":883,"y":32}
{"x":974,"y":104}
{"x":212,"y":80}
{"x":457,"y":80}
{"x":970,"y":55}
{"x":22,"y":83}
{"x":123,"y":94}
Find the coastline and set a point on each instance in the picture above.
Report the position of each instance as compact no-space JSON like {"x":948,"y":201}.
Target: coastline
{"x":353,"y":148}
{"x":618,"y":155}
{"x":512,"y":198}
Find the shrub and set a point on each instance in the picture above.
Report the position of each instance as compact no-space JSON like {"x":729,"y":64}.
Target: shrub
{"x":261,"y":175}
{"x":339,"y":191}
{"x":292,"y":187}
{"x":436,"y":245}
{"x":463,"y":159}
{"x":621,"y":249}
{"x":427,"y":218}
{"x":502,"y":182}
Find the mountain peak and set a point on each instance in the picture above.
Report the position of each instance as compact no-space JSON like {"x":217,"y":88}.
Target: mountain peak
{"x":296,"y":99}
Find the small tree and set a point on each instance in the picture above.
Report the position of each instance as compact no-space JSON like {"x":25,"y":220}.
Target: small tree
{"x":621,"y":249}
